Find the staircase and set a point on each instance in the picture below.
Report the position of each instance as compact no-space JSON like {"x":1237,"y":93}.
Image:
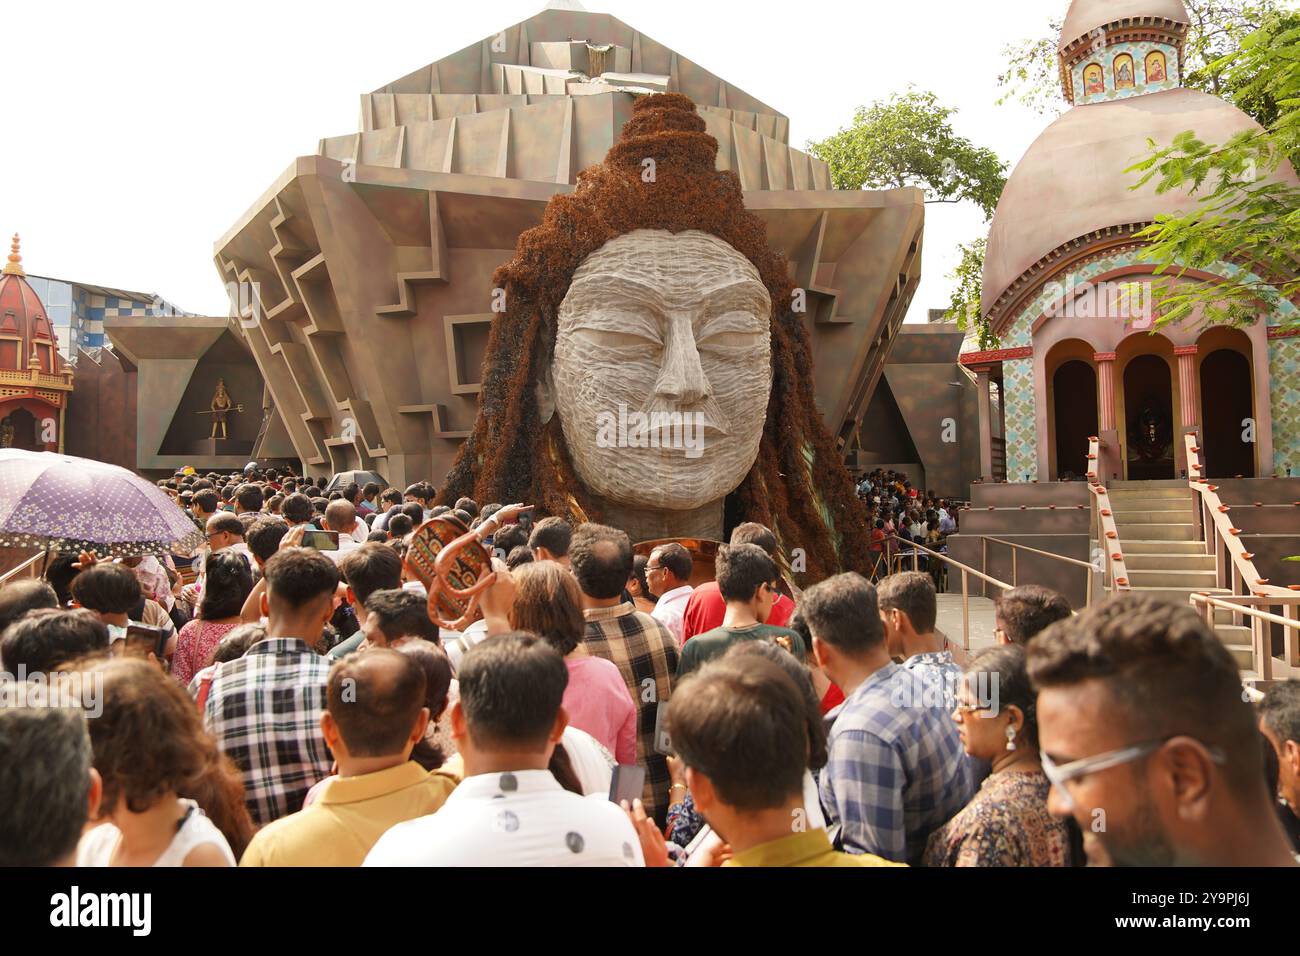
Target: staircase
{"x":1166,"y":555}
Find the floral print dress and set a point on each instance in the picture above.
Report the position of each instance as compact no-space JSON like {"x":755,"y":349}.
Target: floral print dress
{"x":1005,"y":824}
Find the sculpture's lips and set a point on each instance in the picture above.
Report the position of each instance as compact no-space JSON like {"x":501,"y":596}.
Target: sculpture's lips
{"x":670,"y":432}
{"x":704,"y":415}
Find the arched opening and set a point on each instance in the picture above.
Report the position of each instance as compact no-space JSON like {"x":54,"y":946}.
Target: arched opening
{"x":18,"y":430}
{"x":1070,"y":395}
{"x":1227,"y":415}
{"x":1149,"y":418}
{"x":1074,"y":392}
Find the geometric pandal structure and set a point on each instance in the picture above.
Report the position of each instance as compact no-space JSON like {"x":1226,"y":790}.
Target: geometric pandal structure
{"x":178,"y":365}
{"x":372,"y":260}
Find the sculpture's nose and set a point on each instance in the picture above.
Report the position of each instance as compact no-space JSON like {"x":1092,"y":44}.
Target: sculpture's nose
{"x":681,"y":377}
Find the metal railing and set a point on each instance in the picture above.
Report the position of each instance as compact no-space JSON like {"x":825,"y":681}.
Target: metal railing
{"x":916,"y":550}
{"x":1251,"y":596}
{"x":1113,"y":567}
{"x":1234,"y":566}
{"x":31,"y":568}
{"x":1092,"y":569}
{"x":1266,"y":666}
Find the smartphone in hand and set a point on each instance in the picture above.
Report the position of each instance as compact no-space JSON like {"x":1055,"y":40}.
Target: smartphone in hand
{"x":628,"y":783}
{"x":321,"y":540}
{"x":144,"y":640}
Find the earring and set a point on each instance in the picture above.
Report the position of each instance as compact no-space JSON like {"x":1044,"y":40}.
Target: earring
{"x":1011,"y":737}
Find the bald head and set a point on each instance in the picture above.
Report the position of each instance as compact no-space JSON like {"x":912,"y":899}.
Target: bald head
{"x":340,"y":515}
{"x":601,"y":559}
{"x":375,"y":698}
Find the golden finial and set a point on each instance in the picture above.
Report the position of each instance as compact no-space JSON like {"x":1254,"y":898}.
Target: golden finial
{"x":14,"y":267}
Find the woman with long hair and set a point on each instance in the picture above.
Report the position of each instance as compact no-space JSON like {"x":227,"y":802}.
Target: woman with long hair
{"x":170,"y":797}
{"x":229,"y":581}
{"x":430,"y":753}
{"x":548,"y":603}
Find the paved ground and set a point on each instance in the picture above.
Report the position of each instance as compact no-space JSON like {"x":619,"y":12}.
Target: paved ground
{"x":981,"y":622}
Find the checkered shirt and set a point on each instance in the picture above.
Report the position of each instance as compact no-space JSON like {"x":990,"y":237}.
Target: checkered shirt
{"x":646,"y":656}
{"x":897,"y":770}
{"x":265,"y":709}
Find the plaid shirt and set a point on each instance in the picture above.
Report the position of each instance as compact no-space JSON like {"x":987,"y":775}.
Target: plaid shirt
{"x":897,"y":769}
{"x":265,"y":709}
{"x":646,"y":655}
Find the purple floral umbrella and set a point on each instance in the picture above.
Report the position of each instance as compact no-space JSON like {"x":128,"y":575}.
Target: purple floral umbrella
{"x":62,"y":503}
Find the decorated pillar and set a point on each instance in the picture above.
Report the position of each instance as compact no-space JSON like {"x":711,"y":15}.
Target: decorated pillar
{"x":986,"y":421}
{"x":1188,"y":386}
{"x":1105,"y":390}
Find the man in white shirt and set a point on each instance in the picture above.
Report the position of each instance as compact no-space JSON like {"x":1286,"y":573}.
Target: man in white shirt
{"x":226,"y":533}
{"x":668,"y":572}
{"x":341,"y":516}
{"x":509,"y":810}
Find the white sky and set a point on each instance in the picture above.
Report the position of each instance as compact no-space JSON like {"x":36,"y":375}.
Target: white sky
{"x":136,"y":133}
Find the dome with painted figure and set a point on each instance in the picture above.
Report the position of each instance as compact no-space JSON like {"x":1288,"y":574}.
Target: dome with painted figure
{"x":1121,"y":69}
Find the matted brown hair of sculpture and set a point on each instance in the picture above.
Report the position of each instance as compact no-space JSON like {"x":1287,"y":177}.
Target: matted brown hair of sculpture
{"x":511,"y":455}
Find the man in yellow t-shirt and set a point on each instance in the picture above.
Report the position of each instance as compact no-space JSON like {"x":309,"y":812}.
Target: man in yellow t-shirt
{"x":375,"y":715}
{"x":747,"y":733}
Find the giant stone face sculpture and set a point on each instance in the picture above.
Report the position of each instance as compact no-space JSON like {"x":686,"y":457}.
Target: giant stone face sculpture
{"x":660,"y":376}
{"x":651,"y":370}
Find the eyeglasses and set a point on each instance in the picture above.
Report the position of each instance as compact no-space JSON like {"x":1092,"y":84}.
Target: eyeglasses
{"x":1061,"y":774}
{"x":653,"y":567}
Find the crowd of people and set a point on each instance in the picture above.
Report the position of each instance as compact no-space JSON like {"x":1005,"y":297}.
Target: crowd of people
{"x":283,"y":697}
{"x":901,"y":516}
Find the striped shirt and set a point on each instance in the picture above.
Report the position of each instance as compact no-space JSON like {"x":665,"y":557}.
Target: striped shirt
{"x":897,"y":770}
{"x":265,"y":709}
{"x":646,"y":656}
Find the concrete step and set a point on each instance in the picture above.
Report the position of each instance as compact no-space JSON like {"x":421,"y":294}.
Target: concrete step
{"x":1237,"y":640}
{"x":1164,"y":578}
{"x":1164,"y":484}
{"x":1184,"y":492}
{"x":1137,"y":543}
{"x":1159,"y":559}
{"x":1156,"y":532}
{"x":1121,"y":503}
{"x":1180,"y":595}
{"x":1222,"y":618}
{"x":1170,"y":516}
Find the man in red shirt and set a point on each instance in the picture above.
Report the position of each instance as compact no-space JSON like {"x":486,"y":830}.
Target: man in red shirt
{"x":706,"y":608}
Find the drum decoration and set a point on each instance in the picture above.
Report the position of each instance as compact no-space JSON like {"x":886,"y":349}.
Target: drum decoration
{"x":454,"y":567}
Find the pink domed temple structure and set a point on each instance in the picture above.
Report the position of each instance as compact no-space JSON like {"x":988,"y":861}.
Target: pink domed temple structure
{"x":1067,"y":284}
{"x":35,"y":381}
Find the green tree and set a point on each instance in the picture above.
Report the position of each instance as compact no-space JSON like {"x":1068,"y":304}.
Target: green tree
{"x":964,"y":306}
{"x":1243,"y":216}
{"x":908,"y":140}
{"x":1032,"y":76}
